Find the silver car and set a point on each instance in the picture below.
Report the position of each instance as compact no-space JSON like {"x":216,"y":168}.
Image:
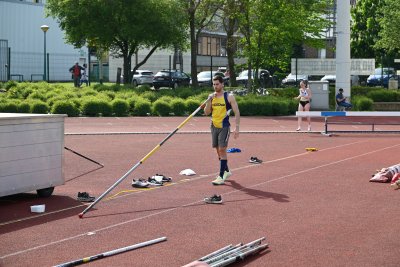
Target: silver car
{"x":293,"y":79}
{"x":142,"y":77}
{"x":204,"y":78}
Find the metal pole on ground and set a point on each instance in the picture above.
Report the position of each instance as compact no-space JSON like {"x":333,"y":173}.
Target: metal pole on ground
{"x":111,"y":253}
{"x":143,"y":159}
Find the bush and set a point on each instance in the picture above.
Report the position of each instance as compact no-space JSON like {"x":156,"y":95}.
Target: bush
{"x":142,"y":107}
{"x":95,"y":107}
{"x":363,"y":103}
{"x":280,"y":108}
{"x":184,"y":92}
{"x":192,"y":104}
{"x":65,"y":107}
{"x":24,"y":107}
{"x":151,"y":96}
{"x":10,"y":84}
{"x":161,"y":108}
{"x":120,"y":107}
{"x":9,"y":107}
{"x":384,"y":96}
{"x":39,"y":107}
{"x":178,"y":107}
{"x":109,"y":94}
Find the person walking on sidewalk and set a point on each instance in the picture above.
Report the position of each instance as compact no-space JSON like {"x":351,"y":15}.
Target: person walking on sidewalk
{"x":305,"y":103}
{"x":218,"y":105}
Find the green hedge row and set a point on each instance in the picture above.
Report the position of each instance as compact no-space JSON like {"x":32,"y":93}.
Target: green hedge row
{"x":116,"y":100}
{"x":120,"y":100}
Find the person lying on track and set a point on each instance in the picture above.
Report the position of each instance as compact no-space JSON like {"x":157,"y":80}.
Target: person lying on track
{"x":385,"y":175}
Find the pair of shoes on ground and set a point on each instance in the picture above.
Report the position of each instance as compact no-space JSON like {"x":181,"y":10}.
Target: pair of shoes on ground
{"x":299,"y":128}
{"x":221,"y":180}
{"x":215,"y":199}
{"x":140,"y":183}
{"x":156,"y":180}
{"x":255,"y":160}
{"x":233,"y":150}
{"x":143,"y":183}
{"x":161,"y":178}
{"x":85,"y":197}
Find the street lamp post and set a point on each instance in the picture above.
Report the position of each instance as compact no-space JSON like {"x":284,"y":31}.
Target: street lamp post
{"x":44,"y":29}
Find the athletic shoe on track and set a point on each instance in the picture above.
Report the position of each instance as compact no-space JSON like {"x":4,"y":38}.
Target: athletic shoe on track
{"x":218,"y":181}
{"x":215,"y":199}
{"x":153,"y":181}
{"x":226,"y":175}
{"x":162,"y":178}
{"x":255,"y":160}
{"x":140,"y":183}
{"x":85,"y":197}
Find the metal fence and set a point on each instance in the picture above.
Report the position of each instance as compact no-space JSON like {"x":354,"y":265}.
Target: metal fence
{"x":28,"y":66}
{"x":4,"y":60}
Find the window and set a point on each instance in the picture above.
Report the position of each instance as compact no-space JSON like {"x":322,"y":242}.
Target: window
{"x":211,"y":46}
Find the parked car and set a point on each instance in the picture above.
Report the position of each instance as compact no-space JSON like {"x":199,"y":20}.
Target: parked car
{"x":142,"y":77}
{"x":204,"y":78}
{"x":242,"y":79}
{"x":354,"y":79}
{"x":173,"y":79}
{"x":377,"y":79}
{"x":290,"y":80}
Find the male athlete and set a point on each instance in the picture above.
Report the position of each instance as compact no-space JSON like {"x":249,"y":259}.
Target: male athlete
{"x":218,"y":105}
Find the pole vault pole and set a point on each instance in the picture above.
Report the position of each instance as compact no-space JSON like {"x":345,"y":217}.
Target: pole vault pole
{"x":111,"y":253}
{"x":143,"y":159}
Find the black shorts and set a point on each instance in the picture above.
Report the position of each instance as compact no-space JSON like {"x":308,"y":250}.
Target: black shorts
{"x":304,"y":103}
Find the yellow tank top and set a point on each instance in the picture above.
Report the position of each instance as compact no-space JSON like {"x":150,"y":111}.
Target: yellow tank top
{"x":219,"y":109}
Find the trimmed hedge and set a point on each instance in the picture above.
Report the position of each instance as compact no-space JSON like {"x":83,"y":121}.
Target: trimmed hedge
{"x":120,"y":107}
{"x":96,"y":107}
{"x":178,"y":107}
{"x":65,"y":107}
{"x":122,"y":100}
{"x":142,"y":107}
{"x":39,"y":107}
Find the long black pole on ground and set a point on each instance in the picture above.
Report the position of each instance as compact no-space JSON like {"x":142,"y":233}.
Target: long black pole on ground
{"x":143,"y":159}
{"x":76,"y":153}
{"x":111,"y":253}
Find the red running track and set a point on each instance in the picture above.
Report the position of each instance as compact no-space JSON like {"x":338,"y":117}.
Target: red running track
{"x":314,"y":208}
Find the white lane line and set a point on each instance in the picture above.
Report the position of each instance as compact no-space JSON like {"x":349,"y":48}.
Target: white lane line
{"x":44,"y":214}
{"x":199,"y":201}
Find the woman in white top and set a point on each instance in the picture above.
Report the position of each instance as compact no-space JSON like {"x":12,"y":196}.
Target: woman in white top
{"x":305,"y":103}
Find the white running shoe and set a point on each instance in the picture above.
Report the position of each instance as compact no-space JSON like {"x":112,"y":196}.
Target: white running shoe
{"x":226,"y":175}
{"x":218,"y":181}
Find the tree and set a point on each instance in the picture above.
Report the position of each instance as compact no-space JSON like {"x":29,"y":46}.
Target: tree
{"x":200,"y":15}
{"x":389,"y":36}
{"x":365,"y":28}
{"x":121,"y":27}
{"x":230,"y":14}
{"x":271,"y":28}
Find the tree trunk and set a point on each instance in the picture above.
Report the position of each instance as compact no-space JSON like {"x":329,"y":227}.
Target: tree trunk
{"x":193,"y":45}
